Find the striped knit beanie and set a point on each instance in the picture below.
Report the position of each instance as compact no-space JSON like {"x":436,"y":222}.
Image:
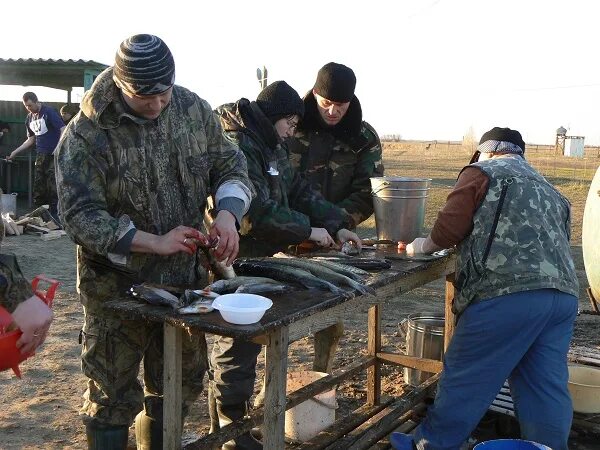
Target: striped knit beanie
{"x":144,"y":65}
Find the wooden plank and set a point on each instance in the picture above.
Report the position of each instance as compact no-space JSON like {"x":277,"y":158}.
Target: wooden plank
{"x":374,"y":347}
{"x":295,"y":398}
{"x":414,"y":362}
{"x":344,"y":425}
{"x":172,"y":423}
{"x":384,"y":427}
{"x":450,"y":319}
{"x":275,"y":392}
{"x":389,"y":415}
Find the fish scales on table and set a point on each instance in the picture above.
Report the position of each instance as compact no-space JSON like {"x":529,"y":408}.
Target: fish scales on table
{"x":284,"y":273}
{"x":352,"y":272}
{"x":320,"y":271}
{"x":232,"y":284}
{"x":361,"y":263}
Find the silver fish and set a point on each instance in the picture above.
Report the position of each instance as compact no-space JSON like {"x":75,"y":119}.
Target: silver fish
{"x":155,"y":296}
{"x":202,"y":306}
{"x":352,"y":272}
{"x":350,"y":248}
{"x":284,"y":273}
{"x":323,"y":273}
{"x":263,"y":288}
{"x":230,"y":285}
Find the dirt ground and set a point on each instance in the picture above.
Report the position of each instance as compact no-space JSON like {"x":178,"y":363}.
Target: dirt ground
{"x":41,"y":409}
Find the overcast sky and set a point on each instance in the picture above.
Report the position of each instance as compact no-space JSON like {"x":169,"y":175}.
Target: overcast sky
{"x":426,"y":69}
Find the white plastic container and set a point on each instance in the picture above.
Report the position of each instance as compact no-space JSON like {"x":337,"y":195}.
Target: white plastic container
{"x":8,"y":204}
{"x":242,"y":309}
{"x":584,"y":386}
{"x":309,"y":418}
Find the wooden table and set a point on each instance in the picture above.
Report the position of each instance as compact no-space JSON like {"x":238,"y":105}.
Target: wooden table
{"x":292,"y":317}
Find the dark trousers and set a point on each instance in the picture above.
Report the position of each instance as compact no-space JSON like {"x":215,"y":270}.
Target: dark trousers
{"x":44,"y":184}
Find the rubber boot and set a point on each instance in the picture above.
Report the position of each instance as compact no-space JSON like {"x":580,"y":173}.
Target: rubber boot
{"x":230,"y":413}
{"x":106,"y":437}
{"x":148,"y":432}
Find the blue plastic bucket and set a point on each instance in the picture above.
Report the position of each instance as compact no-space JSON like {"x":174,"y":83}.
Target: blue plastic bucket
{"x":510,"y":444}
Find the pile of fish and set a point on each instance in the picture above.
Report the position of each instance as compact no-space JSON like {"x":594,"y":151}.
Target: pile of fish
{"x":310,"y":273}
{"x":190,"y":302}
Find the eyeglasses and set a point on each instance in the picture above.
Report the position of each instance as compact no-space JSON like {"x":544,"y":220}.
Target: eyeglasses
{"x":293,"y":125}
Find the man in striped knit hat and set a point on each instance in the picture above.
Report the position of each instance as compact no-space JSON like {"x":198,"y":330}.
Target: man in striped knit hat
{"x":134,"y":170}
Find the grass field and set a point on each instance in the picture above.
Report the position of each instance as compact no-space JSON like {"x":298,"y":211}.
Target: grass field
{"x":443,"y":161}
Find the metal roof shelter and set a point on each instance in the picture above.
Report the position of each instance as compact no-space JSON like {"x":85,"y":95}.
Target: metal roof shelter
{"x":55,"y":73}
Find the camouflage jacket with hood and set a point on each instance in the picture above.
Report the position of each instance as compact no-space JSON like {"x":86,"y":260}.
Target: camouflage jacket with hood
{"x":520,"y":237}
{"x":14,"y":288}
{"x":285,"y":206}
{"x":339,"y":161}
{"x":116,"y":171}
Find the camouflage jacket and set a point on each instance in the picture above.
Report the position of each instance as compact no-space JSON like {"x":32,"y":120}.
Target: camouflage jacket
{"x":285,"y":206}
{"x":340,"y":169}
{"x":14,"y":288}
{"x":520,"y":237}
{"x":115,"y":170}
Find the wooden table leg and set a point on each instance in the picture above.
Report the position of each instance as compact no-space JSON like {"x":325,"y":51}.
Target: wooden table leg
{"x":450,"y":318}
{"x":275,"y":392}
{"x":374,"y":347}
{"x":172,"y":424}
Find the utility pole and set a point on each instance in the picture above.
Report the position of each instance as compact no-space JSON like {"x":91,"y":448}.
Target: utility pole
{"x":262,"y":77}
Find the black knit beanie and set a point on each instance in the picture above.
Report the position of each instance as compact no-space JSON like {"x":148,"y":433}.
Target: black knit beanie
{"x":335,"y":82}
{"x":144,"y":65}
{"x":280,"y":100}
{"x":503,"y":135}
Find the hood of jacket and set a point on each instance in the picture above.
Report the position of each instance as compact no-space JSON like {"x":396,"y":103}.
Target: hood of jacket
{"x":246,"y":117}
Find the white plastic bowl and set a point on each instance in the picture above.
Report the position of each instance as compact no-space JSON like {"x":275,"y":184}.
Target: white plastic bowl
{"x":242,"y":309}
{"x":584,"y":386}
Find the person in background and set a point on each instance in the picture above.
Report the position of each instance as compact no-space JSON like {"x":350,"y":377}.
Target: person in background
{"x":29,"y":312}
{"x":134,"y":170}
{"x":67,"y":112}
{"x":44,"y":127}
{"x":516,"y":299}
{"x":337,"y":152}
{"x":285,"y":211}
{"x":4,"y":128}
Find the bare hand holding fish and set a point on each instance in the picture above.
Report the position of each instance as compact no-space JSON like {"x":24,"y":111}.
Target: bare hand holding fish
{"x":224,"y":228}
{"x":177,"y":240}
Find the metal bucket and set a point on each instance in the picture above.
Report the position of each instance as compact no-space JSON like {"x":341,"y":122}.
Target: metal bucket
{"x":399,"y":205}
{"x":8,"y":204}
{"x":424,"y":339}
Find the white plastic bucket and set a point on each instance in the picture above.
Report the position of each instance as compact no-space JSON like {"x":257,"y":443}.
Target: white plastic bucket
{"x":8,"y":204}
{"x":309,"y":418}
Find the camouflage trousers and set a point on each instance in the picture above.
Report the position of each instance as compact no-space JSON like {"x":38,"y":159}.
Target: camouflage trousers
{"x":44,"y":184}
{"x":112,"y":352}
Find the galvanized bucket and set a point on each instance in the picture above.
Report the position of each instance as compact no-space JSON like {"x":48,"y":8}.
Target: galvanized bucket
{"x":8,"y":203}
{"x":399,"y":205}
{"x":424,"y":339}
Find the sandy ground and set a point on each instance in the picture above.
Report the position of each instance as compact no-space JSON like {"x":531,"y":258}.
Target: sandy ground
{"x":41,"y":410}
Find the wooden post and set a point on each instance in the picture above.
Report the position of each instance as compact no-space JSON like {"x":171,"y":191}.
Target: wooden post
{"x":172,"y":423}
{"x":374,"y":347}
{"x":275,"y":392}
{"x":450,"y":318}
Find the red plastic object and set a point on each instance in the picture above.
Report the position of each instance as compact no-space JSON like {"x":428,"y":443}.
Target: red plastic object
{"x":10,"y":356}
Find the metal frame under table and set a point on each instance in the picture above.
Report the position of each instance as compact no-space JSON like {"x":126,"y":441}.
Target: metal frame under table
{"x":292,"y":317}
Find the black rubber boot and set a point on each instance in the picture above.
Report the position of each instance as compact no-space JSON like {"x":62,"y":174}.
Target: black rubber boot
{"x":243,"y":442}
{"x":230,"y":413}
{"x":148,"y":432}
{"x":106,"y":437}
